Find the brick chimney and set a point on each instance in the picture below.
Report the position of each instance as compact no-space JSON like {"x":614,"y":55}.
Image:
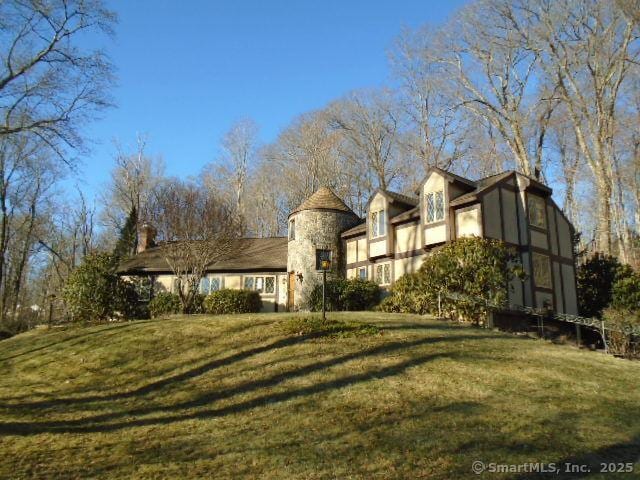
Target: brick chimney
{"x":146,"y":237}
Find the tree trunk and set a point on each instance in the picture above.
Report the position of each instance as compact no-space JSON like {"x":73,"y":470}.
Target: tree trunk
{"x":603,"y":228}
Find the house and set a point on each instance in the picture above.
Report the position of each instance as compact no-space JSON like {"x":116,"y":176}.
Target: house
{"x":396,"y":235}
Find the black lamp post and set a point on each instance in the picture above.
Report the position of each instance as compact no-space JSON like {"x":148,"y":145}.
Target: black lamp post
{"x":326,"y":265}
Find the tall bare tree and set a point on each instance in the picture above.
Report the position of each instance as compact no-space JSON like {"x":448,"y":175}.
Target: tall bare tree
{"x":493,"y":74}
{"x":197,"y":230}
{"x":587,"y":50}
{"x":370,"y":124}
{"x":49,"y":83}
{"x":134,"y":178}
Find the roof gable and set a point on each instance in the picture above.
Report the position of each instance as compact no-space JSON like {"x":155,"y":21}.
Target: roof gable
{"x":465,"y":183}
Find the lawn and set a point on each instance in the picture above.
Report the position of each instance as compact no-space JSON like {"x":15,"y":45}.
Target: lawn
{"x":248,"y":397}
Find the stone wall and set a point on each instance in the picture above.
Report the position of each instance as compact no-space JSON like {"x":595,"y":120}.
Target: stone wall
{"x":316,"y":229}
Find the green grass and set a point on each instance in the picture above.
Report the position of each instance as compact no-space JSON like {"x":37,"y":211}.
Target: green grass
{"x":253,"y":397}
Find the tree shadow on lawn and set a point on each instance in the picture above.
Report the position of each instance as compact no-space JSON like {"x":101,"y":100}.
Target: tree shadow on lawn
{"x":94,"y":424}
{"x":619,"y":453}
{"x":63,"y":401}
{"x":198,"y":371}
{"x":82,"y":336}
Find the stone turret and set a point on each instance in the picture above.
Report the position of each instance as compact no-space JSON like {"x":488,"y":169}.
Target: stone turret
{"x":314,"y":233}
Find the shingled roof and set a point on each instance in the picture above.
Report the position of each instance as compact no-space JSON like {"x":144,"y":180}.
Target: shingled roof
{"x":247,"y":254}
{"x":400,"y":198}
{"x":323,"y":199}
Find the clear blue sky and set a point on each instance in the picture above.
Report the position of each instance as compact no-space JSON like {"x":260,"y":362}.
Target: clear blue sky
{"x":188,"y":69}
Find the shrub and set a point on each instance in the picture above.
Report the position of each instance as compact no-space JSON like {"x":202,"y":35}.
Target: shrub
{"x":345,"y":295}
{"x":625,"y":294}
{"x":478,"y":269}
{"x":620,"y":340}
{"x":164,"y":303}
{"x":95,"y":292}
{"x":232,"y":301}
{"x":595,"y":279}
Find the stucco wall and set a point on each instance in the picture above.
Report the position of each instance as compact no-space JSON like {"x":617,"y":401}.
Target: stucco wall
{"x":352,"y":250}
{"x":407,"y":238}
{"x":509,"y":213}
{"x":491,"y":213}
{"x":539,"y":239}
{"x":468,"y":222}
{"x":435,"y":234}
{"x":407,"y":265}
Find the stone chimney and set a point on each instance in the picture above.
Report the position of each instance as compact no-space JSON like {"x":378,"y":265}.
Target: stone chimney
{"x":146,"y":237}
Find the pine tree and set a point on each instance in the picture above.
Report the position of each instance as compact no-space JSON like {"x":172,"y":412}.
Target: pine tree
{"x":128,"y":240}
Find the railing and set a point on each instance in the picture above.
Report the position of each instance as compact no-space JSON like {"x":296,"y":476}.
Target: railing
{"x":593,"y":323}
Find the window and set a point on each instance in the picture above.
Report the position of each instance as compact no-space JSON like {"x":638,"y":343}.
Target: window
{"x":210,"y":284}
{"x":537,"y":216}
{"x":378,"y":224}
{"x":292,"y":229}
{"x":204,"y":285}
{"x":383,"y":274}
{"x":142,"y":286}
{"x":261,"y":284}
{"x":320,"y":256}
{"x":541,"y":270}
{"x":434,"y":204}
{"x":362,"y":273}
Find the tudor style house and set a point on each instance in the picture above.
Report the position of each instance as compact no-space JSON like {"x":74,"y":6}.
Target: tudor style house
{"x":399,"y":231}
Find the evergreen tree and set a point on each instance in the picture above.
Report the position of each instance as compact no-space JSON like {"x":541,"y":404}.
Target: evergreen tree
{"x":128,"y":240}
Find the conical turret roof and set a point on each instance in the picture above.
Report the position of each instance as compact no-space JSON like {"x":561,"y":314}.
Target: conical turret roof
{"x":323,"y":199}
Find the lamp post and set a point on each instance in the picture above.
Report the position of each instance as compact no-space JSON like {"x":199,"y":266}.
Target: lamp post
{"x":326,"y":265}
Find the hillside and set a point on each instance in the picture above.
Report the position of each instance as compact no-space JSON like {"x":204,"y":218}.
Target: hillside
{"x":229,"y":397}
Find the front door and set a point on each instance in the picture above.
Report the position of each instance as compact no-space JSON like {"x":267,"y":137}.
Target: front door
{"x":291,"y":291}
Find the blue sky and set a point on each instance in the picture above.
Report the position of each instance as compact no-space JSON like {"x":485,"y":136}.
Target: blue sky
{"x":188,"y":69}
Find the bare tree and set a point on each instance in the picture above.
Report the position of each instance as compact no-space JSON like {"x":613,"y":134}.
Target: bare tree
{"x":239,"y":146}
{"x":370,"y":123}
{"x":493,"y":70}
{"x":196,"y":229}
{"x":133,"y":180}
{"x":587,"y":50}
{"x":49,"y":84}
{"x":438,"y":136}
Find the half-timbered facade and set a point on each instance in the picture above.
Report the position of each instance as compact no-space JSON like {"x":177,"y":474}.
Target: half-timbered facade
{"x":399,"y":232}
{"x":394,"y":238}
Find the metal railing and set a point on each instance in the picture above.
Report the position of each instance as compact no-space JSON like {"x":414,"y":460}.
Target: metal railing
{"x":593,"y":323}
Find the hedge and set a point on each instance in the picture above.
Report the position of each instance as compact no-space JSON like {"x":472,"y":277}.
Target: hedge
{"x":227,"y":301}
{"x":345,"y":295}
{"x":164,"y":303}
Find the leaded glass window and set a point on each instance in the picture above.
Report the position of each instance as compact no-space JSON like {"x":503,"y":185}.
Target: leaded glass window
{"x":537,"y":216}
{"x":434,"y":202}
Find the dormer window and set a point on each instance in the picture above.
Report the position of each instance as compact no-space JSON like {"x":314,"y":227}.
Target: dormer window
{"x":378,"y":224}
{"x":292,"y":229}
{"x":434,"y":210}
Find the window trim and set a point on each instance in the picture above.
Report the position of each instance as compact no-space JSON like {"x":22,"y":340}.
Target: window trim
{"x":359,"y":270}
{"x":254,"y":282}
{"x":536,"y":271}
{"x":434,"y":194}
{"x":209,"y":279}
{"x":291,"y":234}
{"x":378,"y":225}
{"x":532,"y":199}
{"x":386,"y":269}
